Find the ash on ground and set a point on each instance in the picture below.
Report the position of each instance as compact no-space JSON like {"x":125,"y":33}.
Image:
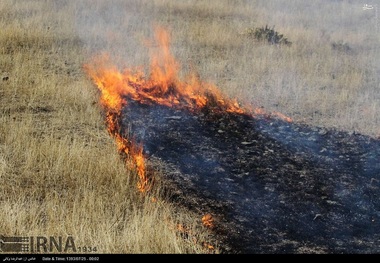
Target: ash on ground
{"x":272,"y":186}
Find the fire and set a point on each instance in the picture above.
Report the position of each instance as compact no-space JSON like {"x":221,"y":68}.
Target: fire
{"x":208,"y":246}
{"x":163,"y":87}
{"x":185,"y":232}
{"x":139,"y":160}
{"x":282,"y":116}
{"x":208,"y":221}
{"x":128,"y":148}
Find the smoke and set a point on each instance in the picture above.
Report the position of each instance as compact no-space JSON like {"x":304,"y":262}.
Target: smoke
{"x":117,"y":27}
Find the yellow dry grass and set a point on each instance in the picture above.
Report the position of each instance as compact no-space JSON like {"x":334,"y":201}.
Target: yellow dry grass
{"x":328,"y":77}
{"x":60,"y":171}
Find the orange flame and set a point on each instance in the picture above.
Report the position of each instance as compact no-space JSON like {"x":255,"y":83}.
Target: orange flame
{"x":139,"y":160}
{"x":162,"y":87}
{"x":186,"y":232}
{"x":208,"y":221}
{"x":127,"y":147}
{"x":208,"y":246}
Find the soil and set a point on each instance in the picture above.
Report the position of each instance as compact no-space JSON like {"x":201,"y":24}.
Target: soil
{"x":272,"y":186}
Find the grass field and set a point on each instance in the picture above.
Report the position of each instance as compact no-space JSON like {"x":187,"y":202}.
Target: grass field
{"x":59,"y":169}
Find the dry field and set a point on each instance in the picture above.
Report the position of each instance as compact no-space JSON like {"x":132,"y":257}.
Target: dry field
{"x":59,"y":169}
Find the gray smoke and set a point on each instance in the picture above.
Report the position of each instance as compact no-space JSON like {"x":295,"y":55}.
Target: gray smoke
{"x":117,"y":27}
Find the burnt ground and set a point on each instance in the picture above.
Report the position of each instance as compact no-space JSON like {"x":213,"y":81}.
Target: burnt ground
{"x":272,"y":186}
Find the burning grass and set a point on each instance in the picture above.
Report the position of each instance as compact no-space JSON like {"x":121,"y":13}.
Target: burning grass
{"x":162,"y":87}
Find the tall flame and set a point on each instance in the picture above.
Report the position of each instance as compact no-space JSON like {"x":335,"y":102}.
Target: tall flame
{"x":162,"y":87}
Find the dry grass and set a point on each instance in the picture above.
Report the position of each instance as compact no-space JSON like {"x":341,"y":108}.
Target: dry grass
{"x":328,"y":77}
{"x":59,"y":170}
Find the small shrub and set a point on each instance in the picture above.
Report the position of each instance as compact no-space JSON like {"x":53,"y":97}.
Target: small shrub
{"x":341,"y":46}
{"x":269,"y":35}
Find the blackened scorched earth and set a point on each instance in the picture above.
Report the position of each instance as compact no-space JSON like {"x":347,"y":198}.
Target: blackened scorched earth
{"x":272,"y":186}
